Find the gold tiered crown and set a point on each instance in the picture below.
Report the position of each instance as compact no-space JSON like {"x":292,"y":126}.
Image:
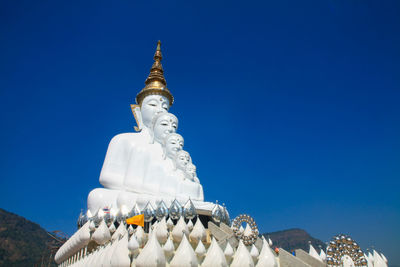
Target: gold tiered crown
{"x":155,"y":82}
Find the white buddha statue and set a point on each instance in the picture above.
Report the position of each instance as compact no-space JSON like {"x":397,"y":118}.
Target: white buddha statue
{"x":154,"y":166}
{"x":187,"y":187}
{"x":125,"y":148}
{"x":172,"y":144}
{"x":193,"y":182}
{"x":149,"y":165}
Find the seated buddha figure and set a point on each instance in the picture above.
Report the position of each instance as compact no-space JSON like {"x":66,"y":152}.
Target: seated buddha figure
{"x":187,"y":187}
{"x":172,"y":144}
{"x":157,"y":183}
{"x":126,"y":150}
{"x":190,"y":173}
{"x":150,"y":163}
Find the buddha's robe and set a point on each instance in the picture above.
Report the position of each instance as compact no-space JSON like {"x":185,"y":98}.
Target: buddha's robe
{"x":125,"y":155}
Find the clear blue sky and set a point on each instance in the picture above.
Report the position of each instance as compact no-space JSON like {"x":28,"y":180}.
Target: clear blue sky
{"x":290,"y":109}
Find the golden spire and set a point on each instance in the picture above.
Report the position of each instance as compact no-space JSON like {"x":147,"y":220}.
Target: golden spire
{"x":155,"y":82}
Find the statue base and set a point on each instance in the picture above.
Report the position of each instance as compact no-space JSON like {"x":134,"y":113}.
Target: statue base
{"x":100,"y":198}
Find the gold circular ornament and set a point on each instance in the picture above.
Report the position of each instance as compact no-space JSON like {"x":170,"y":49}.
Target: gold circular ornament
{"x":342,"y":245}
{"x":237,"y":222}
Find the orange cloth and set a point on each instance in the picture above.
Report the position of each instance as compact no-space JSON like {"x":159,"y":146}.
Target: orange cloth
{"x":136,"y":220}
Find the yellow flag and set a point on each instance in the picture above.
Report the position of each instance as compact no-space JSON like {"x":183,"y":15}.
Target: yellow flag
{"x":136,"y":220}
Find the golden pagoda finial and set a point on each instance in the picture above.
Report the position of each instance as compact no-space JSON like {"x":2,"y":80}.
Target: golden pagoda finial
{"x":159,"y":45}
{"x":155,"y":82}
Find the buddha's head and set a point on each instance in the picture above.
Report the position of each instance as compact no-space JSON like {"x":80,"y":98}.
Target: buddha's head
{"x":151,"y":106}
{"x":182,"y":159}
{"x":172,"y":144}
{"x":191,"y":171}
{"x":163,"y":125}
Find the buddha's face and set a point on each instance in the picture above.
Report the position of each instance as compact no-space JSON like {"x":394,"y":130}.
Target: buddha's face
{"x":164,"y":124}
{"x":173,"y":144}
{"x":182,"y":159}
{"x":151,"y":106}
{"x":191,"y":170}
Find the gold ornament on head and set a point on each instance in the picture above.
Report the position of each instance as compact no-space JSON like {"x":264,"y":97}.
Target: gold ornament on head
{"x":155,"y":82}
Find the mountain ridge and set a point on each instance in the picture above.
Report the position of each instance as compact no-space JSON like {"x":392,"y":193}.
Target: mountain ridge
{"x":23,"y":242}
{"x":294,"y":238}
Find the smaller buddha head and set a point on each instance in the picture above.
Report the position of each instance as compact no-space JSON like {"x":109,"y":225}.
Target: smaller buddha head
{"x":182,"y":159}
{"x":172,"y":144}
{"x":163,"y":125}
{"x":191,"y":171}
{"x":151,"y":106}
